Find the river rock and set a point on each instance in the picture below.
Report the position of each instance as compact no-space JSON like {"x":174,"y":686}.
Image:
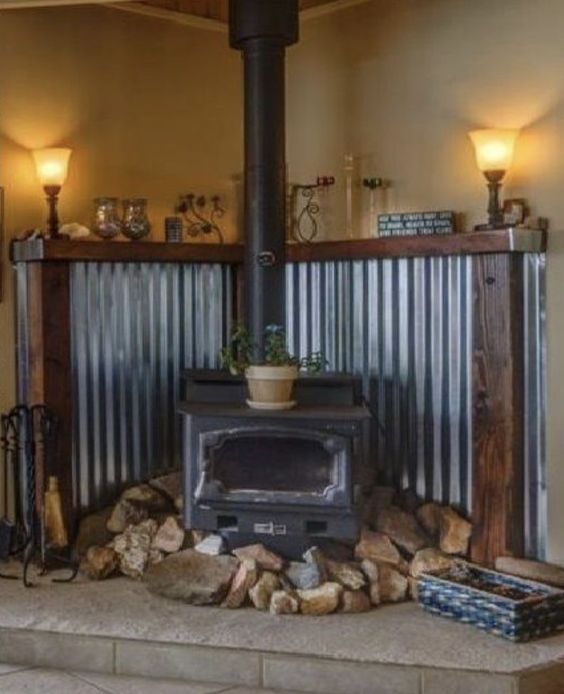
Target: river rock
{"x":304,"y":575}
{"x":392,"y":584}
{"x":170,"y":536}
{"x":374,"y":593}
{"x":261,"y":593}
{"x":93,"y":531}
{"x":194,"y":578}
{"x":169,"y":485}
{"x":315,"y":556}
{"x":429,"y":518}
{"x":212,"y":545}
{"x":455,"y":532}
{"x":124,"y":514}
{"x":147,"y":497}
{"x":322,"y":600}
{"x":244,"y":580}
{"x":429,"y":559}
{"x":532,"y":570}
{"x":133,"y":546}
{"x":378,"y":547}
{"x":265,"y":559}
{"x":372,"y":573}
{"x":284,"y":602}
{"x":99,"y":563}
{"x":347,"y":574}
{"x":355,"y":601}
{"x":402,"y":528}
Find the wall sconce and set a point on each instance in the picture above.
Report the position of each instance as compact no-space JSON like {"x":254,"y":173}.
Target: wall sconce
{"x":494,"y":155}
{"x":52,"y":166}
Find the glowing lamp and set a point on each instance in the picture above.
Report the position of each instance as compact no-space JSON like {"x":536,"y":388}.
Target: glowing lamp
{"x":52,"y":166}
{"x":494,"y":154}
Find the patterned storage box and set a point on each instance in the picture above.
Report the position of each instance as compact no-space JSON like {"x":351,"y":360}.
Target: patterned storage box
{"x":532,"y":610}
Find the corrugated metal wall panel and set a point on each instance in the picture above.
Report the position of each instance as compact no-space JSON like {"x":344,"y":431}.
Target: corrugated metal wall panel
{"x":134,"y":327}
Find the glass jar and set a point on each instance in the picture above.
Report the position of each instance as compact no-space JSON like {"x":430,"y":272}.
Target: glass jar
{"x":107,"y":223}
{"x":136,"y":224}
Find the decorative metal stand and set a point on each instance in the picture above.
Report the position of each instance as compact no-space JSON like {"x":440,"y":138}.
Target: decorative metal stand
{"x":29,"y":434}
{"x":304,"y":225}
{"x":201,"y":215}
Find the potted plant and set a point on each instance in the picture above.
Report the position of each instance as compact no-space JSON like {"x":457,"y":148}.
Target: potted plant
{"x":270,"y":383}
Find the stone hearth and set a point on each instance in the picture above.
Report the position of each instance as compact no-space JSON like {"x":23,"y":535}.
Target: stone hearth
{"x":117,"y":626}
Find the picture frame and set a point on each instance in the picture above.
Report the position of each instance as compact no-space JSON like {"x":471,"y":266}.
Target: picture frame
{"x":515,"y":211}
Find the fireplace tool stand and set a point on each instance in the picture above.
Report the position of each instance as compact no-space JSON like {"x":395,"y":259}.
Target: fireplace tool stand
{"x":28,"y":435}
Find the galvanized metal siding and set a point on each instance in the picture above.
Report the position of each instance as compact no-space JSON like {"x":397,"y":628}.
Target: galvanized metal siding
{"x":405,"y":325}
{"x":134,"y":327}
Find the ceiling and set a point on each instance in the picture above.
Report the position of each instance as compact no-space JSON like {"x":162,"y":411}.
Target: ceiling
{"x":215,"y":9}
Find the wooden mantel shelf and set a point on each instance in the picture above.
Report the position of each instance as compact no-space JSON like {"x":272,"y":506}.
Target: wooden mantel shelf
{"x":469,"y":243}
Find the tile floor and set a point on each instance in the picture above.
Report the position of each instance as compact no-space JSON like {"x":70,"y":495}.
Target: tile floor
{"x":16,"y":679}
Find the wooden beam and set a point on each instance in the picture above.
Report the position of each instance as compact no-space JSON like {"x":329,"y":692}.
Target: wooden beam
{"x":25,"y":4}
{"x":50,"y":380}
{"x":498,"y":389}
{"x":190,"y":20}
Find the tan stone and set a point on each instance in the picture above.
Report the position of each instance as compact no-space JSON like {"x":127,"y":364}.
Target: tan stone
{"x":322,"y":600}
{"x":194,"y":578}
{"x":179,"y":503}
{"x":370,"y":570}
{"x":430,"y":559}
{"x":169,"y":485}
{"x":124,"y":514}
{"x":455,"y":532}
{"x":99,"y":563}
{"x":532,"y":570}
{"x":392,"y":584}
{"x":244,"y":580}
{"x":347,"y":574}
{"x":429,"y":517}
{"x":378,"y":547}
{"x":133,"y":547}
{"x":355,"y":601}
{"x":265,"y":559}
{"x":402,"y":528}
{"x":284,"y":602}
{"x":93,"y":531}
{"x":147,"y":497}
{"x":412,"y":588}
{"x":170,"y":536}
{"x":261,"y":593}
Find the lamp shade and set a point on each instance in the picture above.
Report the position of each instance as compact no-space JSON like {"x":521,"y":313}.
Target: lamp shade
{"x":494,"y":148}
{"x":52,"y":165}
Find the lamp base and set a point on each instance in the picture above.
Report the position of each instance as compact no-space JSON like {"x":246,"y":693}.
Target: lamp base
{"x":52,"y":193}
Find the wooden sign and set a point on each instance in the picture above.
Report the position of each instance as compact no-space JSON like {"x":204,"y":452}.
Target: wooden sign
{"x":416,"y":223}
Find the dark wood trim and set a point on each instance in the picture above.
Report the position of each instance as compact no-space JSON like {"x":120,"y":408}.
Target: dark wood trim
{"x":122,"y":251}
{"x":498,"y":389}
{"x":50,"y":369}
{"x":469,"y":243}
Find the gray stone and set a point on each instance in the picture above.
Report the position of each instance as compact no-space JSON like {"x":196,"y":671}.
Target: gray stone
{"x":265,"y":559}
{"x":284,"y":602}
{"x":133,"y":547}
{"x":392,"y":584}
{"x":429,"y":517}
{"x":322,"y":600}
{"x":195,"y":578}
{"x":315,"y":556}
{"x":92,"y":531}
{"x":532,"y":570}
{"x":170,"y":536}
{"x":455,"y":532}
{"x":430,"y":559}
{"x":355,"y":602}
{"x":212,"y":545}
{"x":244,"y":580}
{"x":347,"y":574}
{"x":377,"y":547}
{"x":370,"y":570}
{"x":304,"y":575}
{"x":147,"y":497}
{"x":261,"y":593}
{"x":124,"y":514}
{"x":402,"y":528}
{"x":374,"y":593}
{"x":99,"y":563}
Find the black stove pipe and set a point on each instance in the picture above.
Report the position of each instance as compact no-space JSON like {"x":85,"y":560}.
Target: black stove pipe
{"x":262,"y":29}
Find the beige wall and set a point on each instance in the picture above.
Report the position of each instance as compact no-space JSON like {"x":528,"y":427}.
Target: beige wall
{"x":153,"y":108}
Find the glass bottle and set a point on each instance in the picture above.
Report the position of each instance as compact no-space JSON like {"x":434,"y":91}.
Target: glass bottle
{"x":107,"y":223}
{"x":136,"y":224}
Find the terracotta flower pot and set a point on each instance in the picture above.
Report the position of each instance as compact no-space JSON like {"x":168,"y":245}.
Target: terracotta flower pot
{"x":270,"y":387}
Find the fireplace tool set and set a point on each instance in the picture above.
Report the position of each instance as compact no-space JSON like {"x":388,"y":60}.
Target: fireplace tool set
{"x":29,"y":435}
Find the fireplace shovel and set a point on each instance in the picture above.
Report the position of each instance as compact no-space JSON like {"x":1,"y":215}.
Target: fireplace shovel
{"x":7,"y":528}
